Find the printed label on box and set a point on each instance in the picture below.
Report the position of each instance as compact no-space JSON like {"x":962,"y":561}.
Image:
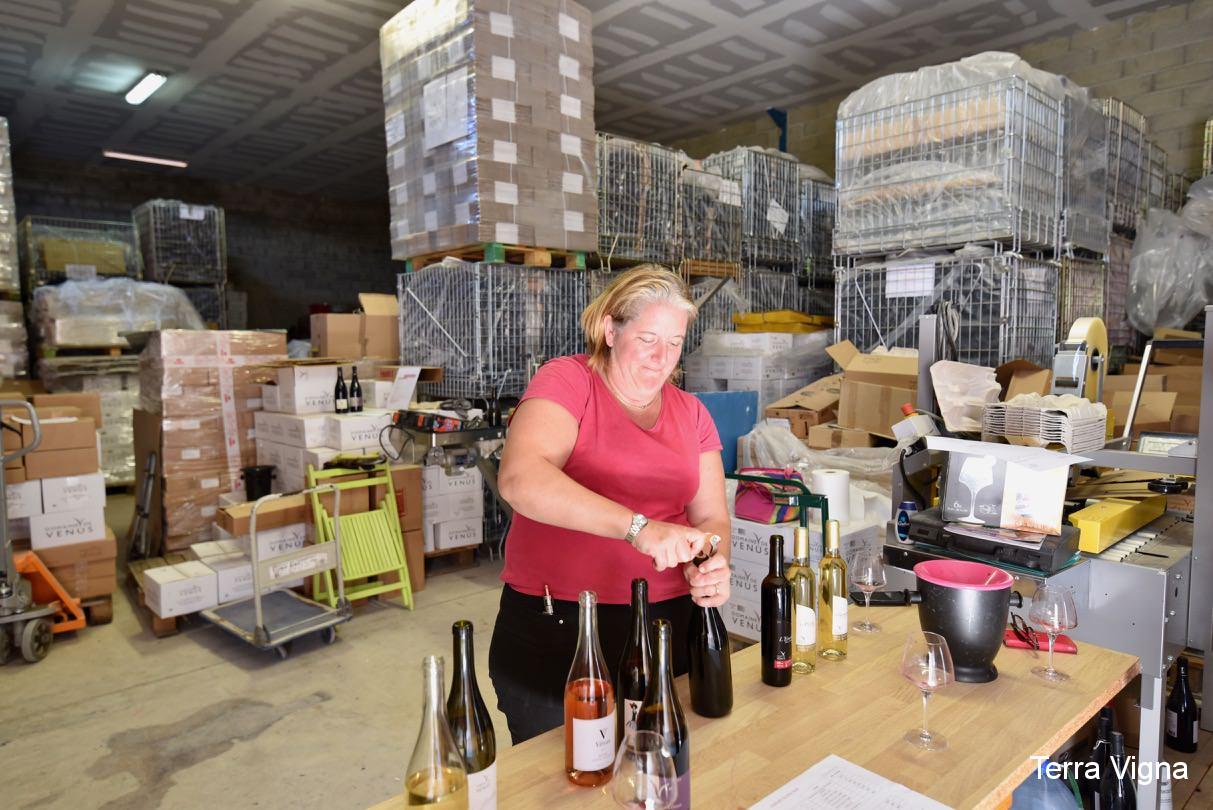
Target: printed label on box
{"x":569,"y":67}
{"x":445,"y":106}
{"x":505,"y":193}
{"x":570,"y":106}
{"x":570,"y":145}
{"x":571,"y":183}
{"x":503,"y":110}
{"x":463,"y":212}
{"x":503,"y":68}
{"x":459,"y":174}
{"x":394,"y":128}
{"x":191,"y":454}
{"x":431,"y":220}
{"x":196,"y":213}
{"x":909,"y":279}
{"x":429,"y":183}
{"x":574,"y":221}
{"x":507,"y":233}
{"x":569,"y":27}
{"x":777,"y":216}
{"x":501,"y":25}
{"x":505,"y":152}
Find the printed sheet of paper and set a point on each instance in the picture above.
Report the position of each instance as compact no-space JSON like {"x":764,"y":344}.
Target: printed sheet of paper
{"x":841,"y":785}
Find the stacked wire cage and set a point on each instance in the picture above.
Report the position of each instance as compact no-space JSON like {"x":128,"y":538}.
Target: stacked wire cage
{"x":55,"y":249}
{"x":709,"y":217}
{"x":948,"y":155}
{"x":14,"y":346}
{"x":1081,"y":290}
{"x":1154,"y":176}
{"x":637,"y":200}
{"x":756,"y":291}
{"x":186,"y":245}
{"x":769,"y":183}
{"x":1085,"y":224}
{"x":211,"y":303}
{"x":1127,"y":161}
{"x":995,"y":307}
{"x":1206,"y":162}
{"x":490,"y":326}
{"x":1121,"y":333}
{"x":1176,"y":192}
{"x":818,"y":202}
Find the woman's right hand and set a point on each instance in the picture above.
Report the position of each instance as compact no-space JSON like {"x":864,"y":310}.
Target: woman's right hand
{"x":669,"y":544}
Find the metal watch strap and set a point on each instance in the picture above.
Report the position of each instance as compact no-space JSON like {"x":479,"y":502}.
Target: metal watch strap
{"x":639,"y":521}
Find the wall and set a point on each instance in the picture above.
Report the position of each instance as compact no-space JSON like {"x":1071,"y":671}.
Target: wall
{"x":1160,"y":63}
{"x":286,"y":251}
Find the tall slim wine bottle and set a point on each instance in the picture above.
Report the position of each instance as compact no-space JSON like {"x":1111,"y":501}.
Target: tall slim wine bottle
{"x":832,"y":599}
{"x":436,"y":776}
{"x":471,"y":726}
{"x":635,"y":664}
{"x":1183,"y":715}
{"x":776,"y":599}
{"x":1116,"y":788}
{"x":355,"y":391}
{"x":662,"y":713}
{"x":1100,"y":753}
{"x":341,"y":398}
{"x":804,"y":606}
{"x":589,"y":705}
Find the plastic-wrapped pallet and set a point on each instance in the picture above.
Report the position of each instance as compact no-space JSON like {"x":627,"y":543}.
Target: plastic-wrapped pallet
{"x":116,"y":381}
{"x":968,"y":151}
{"x":54,"y":249}
{"x":758,"y":291}
{"x":1171,"y":272}
{"x":637,"y":199}
{"x":88,"y":314}
{"x":1127,"y":160}
{"x":489,"y":125}
{"x":770,"y":202}
{"x":14,"y":350}
{"x":1085,"y":222}
{"x":1116,"y":292}
{"x":10,"y":279}
{"x":182,"y":243}
{"x":709,"y":216}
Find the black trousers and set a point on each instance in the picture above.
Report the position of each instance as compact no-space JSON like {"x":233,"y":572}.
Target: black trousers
{"x":531,"y":652}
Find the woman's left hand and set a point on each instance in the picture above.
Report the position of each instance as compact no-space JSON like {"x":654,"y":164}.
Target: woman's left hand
{"x":709,"y":581}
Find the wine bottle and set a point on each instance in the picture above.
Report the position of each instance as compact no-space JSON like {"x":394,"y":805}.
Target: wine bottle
{"x":1166,"y":797}
{"x":1183,"y":716}
{"x":589,"y":705}
{"x":471,"y":726}
{"x":1100,"y":753}
{"x":804,"y":604}
{"x":1116,"y":790}
{"x":832,"y":599}
{"x":662,"y":713}
{"x":776,"y":598}
{"x":355,"y":391}
{"x":436,"y":776}
{"x":341,"y":400}
{"x":635,"y":664}
{"x":711,"y":664}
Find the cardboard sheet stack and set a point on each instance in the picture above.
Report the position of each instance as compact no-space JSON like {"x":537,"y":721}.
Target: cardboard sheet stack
{"x":489,"y":125}
{"x":56,"y":495}
{"x":775,"y":364}
{"x":198,"y":393}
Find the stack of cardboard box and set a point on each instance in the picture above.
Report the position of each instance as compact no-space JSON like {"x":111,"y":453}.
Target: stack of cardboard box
{"x":1171,"y":399}
{"x":199,"y":391}
{"x":755,"y":361}
{"x":489,"y":125}
{"x":453,"y":507}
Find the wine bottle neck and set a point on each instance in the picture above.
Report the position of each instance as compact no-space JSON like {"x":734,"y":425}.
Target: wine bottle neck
{"x":435,"y":706}
{"x":464,"y":675}
{"x":665,"y":675}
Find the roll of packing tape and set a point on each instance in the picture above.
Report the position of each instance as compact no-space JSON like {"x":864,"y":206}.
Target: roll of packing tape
{"x":1095,"y":333}
{"x":835,"y":485}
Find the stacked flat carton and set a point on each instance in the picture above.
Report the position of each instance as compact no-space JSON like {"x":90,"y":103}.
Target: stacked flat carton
{"x":765,"y":362}
{"x":489,"y":124}
{"x":56,"y":495}
{"x":453,"y":507}
{"x":198,"y":392}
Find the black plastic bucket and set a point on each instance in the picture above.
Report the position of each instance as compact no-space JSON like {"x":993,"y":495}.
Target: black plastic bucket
{"x":258,"y":481}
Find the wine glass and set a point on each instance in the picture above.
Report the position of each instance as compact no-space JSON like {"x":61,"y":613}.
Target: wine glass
{"x":1053,"y":609}
{"x":644,"y":777}
{"x":927,"y":663}
{"x":867,"y":574}
{"x":976,"y":473}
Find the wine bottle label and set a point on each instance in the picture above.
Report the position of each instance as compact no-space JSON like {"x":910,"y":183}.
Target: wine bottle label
{"x":839,"y":624}
{"x":806,"y":626}
{"x":631,"y":710}
{"x":342,"y":403}
{"x":1195,"y":730}
{"x":594,"y":743}
{"x":1095,"y":796}
{"x":482,"y":789}
{"x":683,"y":802}
{"x":1172,"y":724}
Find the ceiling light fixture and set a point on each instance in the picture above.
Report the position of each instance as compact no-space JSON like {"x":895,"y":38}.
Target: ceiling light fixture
{"x":146,"y":86}
{"x":177,"y":164}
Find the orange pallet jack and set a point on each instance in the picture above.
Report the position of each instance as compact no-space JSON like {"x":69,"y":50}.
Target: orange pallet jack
{"x":33,"y":605}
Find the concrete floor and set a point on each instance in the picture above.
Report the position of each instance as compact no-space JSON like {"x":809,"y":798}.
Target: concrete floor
{"x":117,"y":719}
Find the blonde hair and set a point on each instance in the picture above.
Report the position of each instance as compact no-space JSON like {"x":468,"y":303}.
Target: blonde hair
{"x":623,"y":299}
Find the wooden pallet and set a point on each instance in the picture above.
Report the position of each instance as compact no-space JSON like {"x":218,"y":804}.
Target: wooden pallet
{"x":161,"y":628}
{"x":99,"y":609}
{"x":82,"y":351}
{"x":694,"y":268}
{"x":504,"y":254}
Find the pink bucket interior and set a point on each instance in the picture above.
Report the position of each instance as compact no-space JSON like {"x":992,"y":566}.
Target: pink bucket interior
{"x":961,"y":574}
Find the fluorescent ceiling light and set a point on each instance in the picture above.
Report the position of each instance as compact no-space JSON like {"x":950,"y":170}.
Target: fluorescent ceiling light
{"x":146,"y":86}
{"x":178,"y":164}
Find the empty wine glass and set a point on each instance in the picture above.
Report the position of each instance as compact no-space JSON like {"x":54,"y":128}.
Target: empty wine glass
{"x":644,"y":777}
{"x":1053,"y":610}
{"x":867,"y":574}
{"x":927,"y":663}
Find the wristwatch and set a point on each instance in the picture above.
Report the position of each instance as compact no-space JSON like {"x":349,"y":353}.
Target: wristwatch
{"x":639,"y":521}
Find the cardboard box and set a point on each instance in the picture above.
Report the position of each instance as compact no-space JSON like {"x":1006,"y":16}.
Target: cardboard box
{"x":1023,"y":377}
{"x":307,"y":388}
{"x":436,"y":481}
{"x":1154,"y":410}
{"x":88,"y":580}
{"x":14,"y":475}
{"x":874,"y":387}
{"x":174,"y":590}
{"x":751,"y":542}
{"x":234,"y":577}
{"x":458,"y":533}
{"x":73,"y":492}
{"x":1127,"y":382}
{"x":414,"y":552}
{"x":815,"y":404}
{"x":61,"y":431}
{"x":356,"y":430}
{"x":60,"y":463}
{"x":336,"y":335}
{"x":1178,"y":357}
{"x":406,"y":481}
{"x":458,"y":506}
{"x":105,"y":257}
{"x":380,"y":325}
{"x":88,"y":403}
{"x":24,"y":499}
{"x":67,"y":528}
{"x":292,"y":429}
{"x":1185,"y":419}
{"x":289,"y":509}
{"x":743,"y":619}
{"x":828,"y":437}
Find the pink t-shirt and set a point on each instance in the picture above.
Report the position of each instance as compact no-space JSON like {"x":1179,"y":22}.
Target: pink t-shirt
{"x":654,"y":472}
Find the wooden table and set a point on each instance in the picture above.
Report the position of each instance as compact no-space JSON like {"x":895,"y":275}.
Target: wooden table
{"x":858,"y":709}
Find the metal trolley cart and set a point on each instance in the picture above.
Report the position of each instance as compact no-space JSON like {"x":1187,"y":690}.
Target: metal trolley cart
{"x":271,"y":621}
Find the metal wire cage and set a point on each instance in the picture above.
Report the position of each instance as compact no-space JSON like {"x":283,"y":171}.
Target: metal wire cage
{"x":1127,"y":159}
{"x":1116,"y":294}
{"x":770,"y":202}
{"x":54,"y":249}
{"x":1154,"y":175}
{"x":1207,"y":155}
{"x":975,"y":164}
{"x":709,"y":216}
{"x":490,"y":326}
{"x":10,"y":278}
{"x":637,"y":199}
{"x":1176,"y":192}
{"x":1085,"y":223}
{"x":1081,"y":291}
{"x":210,"y":301}
{"x":998,"y":307}
{"x":182,"y":243}
{"x":818,"y":204}
{"x":758,"y":291}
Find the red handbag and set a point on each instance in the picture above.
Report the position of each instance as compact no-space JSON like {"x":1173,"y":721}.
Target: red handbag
{"x":763,"y":502}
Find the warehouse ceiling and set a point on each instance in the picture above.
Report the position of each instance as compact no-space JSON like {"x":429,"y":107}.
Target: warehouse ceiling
{"x":287,"y":94}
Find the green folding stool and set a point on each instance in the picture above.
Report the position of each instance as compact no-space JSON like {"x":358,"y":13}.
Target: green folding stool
{"x":371,"y":542}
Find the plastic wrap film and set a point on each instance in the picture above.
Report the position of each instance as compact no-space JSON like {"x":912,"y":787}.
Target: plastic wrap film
{"x":14,"y":347}
{"x":1085,"y":222}
{"x":770,"y":202}
{"x":1171,"y":272}
{"x":87,"y":314}
{"x":709,"y":219}
{"x":1081,"y":287}
{"x":116,"y":381}
{"x":10,"y":278}
{"x":1154,"y":176}
{"x":1176,"y":192}
{"x":772,"y":445}
{"x":950,"y":154}
{"x":489,"y":125}
{"x":54,"y":249}
{"x":1127,"y":159}
{"x":637,"y":199}
{"x":490,"y":326}
{"x":210,"y":302}
{"x":1116,"y":295}
{"x":996,"y":307}
{"x":182,"y":243}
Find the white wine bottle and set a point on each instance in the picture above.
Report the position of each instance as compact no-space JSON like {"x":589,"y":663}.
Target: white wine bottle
{"x":832,"y":599}
{"x":804,"y":606}
{"x":436,"y":775}
{"x":471,"y":726}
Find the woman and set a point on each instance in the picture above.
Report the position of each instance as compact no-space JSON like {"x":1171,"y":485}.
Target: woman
{"x":613,"y":474}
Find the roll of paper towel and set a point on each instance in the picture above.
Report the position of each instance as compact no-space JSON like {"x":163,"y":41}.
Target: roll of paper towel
{"x":835,"y":485}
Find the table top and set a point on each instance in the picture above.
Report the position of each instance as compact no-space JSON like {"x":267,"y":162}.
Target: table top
{"x":859,"y":709}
